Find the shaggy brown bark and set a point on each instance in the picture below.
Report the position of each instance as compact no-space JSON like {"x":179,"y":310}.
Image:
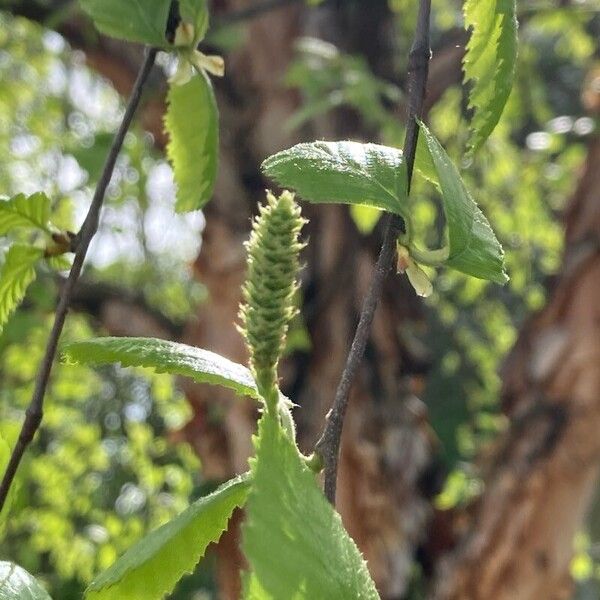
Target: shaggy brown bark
{"x":544,"y":471}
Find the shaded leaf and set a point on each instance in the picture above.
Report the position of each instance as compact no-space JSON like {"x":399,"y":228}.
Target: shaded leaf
{"x":17,"y":584}
{"x":17,"y":272}
{"x":192,"y":124}
{"x":343,"y":172}
{"x":489,"y":62}
{"x":92,"y":158}
{"x":293,"y":539}
{"x":25,"y":211}
{"x":473,"y":246}
{"x":164,"y":357}
{"x":152,"y":567}
{"x":142,"y":21}
{"x":4,"y":458}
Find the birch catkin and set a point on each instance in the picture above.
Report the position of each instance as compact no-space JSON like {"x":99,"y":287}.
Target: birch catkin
{"x":268,"y":293}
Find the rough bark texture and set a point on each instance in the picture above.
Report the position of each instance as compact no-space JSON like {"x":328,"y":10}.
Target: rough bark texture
{"x":544,"y":471}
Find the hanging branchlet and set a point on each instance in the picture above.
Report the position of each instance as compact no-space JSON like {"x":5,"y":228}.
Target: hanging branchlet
{"x":268,"y":306}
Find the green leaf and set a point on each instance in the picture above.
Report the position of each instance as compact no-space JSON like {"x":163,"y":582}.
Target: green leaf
{"x":25,"y":211}
{"x":4,"y":458}
{"x":474,"y":248}
{"x":165,"y":357}
{"x":17,"y":584}
{"x":192,"y":124}
{"x":293,"y":539}
{"x":489,"y":62}
{"x":151,"y":567}
{"x":17,"y":272}
{"x":143,"y":21}
{"x":92,"y":158}
{"x":343,"y":172}
{"x":365,"y":217}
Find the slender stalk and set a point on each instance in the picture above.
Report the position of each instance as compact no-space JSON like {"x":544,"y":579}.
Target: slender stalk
{"x":328,"y":446}
{"x":80,"y":245}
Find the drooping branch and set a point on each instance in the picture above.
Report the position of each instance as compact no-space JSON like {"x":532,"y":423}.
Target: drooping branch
{"x":328,"y":446}
{"x":34,"y":413}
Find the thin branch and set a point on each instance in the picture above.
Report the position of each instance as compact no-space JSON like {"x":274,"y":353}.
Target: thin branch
{"x":34,"y":413}
{"x":328,"y":446}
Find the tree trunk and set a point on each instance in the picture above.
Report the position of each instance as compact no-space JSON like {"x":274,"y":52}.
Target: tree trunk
{"x":544,"y":471}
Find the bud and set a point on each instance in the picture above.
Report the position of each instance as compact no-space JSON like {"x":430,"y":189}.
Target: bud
{"x":417,"y":277}
{"x":268,"y":293}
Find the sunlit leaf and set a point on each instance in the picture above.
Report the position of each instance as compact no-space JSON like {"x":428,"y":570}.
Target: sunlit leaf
{"x":343,"y":172}
{"x":294,"y":540}
{"x":192,"y":124}
{"x":489,"y":62}
{"x":25,"y":211}
{"x":365,"y":217}
{"x":164,"y":357}
{"x":474,"y":248}
{"x":17,"y":584}
{"x":17,"y":272}
{"x":143,"y":21}
{"x":151,"y":568}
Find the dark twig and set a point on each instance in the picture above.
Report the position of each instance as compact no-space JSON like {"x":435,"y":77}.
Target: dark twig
{"x":34,"y":413}
{"x":328,"y":446}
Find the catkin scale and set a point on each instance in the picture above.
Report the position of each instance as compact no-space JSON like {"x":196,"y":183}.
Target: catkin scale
{"x":268,"y":293}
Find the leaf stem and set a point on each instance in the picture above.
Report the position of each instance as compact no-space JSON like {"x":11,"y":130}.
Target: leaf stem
{"x":81,"y":242}
{"x":328,"y":445}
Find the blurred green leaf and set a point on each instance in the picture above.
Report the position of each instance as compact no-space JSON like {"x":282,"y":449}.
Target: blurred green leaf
{"x":474,"y":248}
{"x":192,"y":124}
{"x":151,"y":568}
{"x":92,"y":158}
{"x":17,"y":272}
{"x":17,"y":584}
{"x":489,"y":62}
{"x":25,"y":211}
{"x":343,"y":172}
{"x":294,"y":540}
{"x":365,"y":217}
{"x":143,"y":21}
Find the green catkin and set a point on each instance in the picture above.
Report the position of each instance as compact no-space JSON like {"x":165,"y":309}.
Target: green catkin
{"x":268,"y":293}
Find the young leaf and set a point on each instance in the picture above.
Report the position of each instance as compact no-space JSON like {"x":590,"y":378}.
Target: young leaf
{"x":165,"y":357}
{"x":24,"y":211}
{"x":17,"y":584}
{"x":17,"y":272}
{"x":143,"y":21}
{"x":343,"y":172}
{"x":196,"y":13}
{"x":474,"y":248}
{"x":192,"y":124}
{"x":489,"y":62}
{"x":293,"y":539}
{"x":151,"y":567}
